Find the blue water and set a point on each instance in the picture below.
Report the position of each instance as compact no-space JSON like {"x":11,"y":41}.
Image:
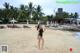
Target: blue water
{"x":77,"y":35}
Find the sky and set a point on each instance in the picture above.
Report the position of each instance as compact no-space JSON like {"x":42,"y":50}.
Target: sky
{"x":48,"y":6}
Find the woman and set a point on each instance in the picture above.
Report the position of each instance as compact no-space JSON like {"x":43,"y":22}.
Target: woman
{"x":40,"y":36}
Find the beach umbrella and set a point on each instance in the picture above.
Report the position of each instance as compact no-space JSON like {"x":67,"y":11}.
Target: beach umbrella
{"x":13,"y":21}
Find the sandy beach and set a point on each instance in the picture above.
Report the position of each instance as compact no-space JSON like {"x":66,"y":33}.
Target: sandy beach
{"x":20,"y":40}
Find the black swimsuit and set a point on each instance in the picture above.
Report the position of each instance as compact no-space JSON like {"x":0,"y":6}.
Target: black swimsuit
{"x":40,"y":32}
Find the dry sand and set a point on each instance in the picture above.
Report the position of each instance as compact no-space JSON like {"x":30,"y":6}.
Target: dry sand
{"x":25,"y":41}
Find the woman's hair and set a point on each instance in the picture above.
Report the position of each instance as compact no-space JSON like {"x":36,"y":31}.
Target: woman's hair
{"x":38,"y":27}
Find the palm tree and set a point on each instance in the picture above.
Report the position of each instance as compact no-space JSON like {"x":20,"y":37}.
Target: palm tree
{"x":61,"y":16}
{"x":11,"y":12}
{"x":6,"y":12}
{"x":39,"y":13}
{"x":30,"y":9}
{"x":14,"y":13}
{"x":0,"y":13}
{"x":22,"y":7}
{"x":76,"y":17}
{"x":71,"y":15}
{"x":6,"y":5}
{"x":11,"y":7}
{"x":23,"y":13}
{"x":50,"y":18}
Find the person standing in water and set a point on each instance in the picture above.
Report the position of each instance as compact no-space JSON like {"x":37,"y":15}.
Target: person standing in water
{"x":40,"y":36}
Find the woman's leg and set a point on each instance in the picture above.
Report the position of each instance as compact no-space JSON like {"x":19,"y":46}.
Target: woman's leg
{"x":39,"y":42}
{"x":42,"y":45}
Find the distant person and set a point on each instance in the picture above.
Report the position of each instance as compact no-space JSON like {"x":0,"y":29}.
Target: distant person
{"x":40,"y":30}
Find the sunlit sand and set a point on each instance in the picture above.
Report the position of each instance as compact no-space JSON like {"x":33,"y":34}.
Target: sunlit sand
{"x":20,"y":40}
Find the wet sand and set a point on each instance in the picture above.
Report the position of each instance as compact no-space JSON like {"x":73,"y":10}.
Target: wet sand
{"x":20,"y":40}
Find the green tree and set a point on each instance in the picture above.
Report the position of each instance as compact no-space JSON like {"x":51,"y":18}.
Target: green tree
{"x":6,"y":5}
{"x":50,"y":17}
{"x":39,"y":13}
{"x":61,"y":16}
{"x":76,"y":16}
{"x":71,"y":15}
{"x":30,"y":9}
{"x":21,"y":16}
{"x":0,"y":13}
{"x":6,"y":12}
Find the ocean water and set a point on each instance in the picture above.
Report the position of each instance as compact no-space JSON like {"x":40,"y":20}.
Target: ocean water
{"x":77,"y":35}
